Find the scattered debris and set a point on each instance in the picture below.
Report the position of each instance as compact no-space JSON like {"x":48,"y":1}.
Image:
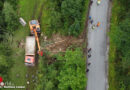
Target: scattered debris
{"x":36,"y":77}
{"x":17,"y":75}
{"x":28,"y":82}
{"x":60,"y":49}
{"x":33,"y":76}
{"x":60,"y":43}
{"x":37,"y":72}
{"x":34,"y":80}
{"x":21,"y":44}
{"x":26,"y":75}
{"x":22,"y":21}
{"x":45,"y":38}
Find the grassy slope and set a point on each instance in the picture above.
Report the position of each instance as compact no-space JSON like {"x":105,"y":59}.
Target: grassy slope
{"x":112,"y":52}
{"x":45,"y":18}
{"x":84,"y":17}
{"x":21,"y":33}
{"x":26,"y":9}
{"x":85,"y":11}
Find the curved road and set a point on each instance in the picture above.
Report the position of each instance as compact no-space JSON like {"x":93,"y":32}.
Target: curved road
{"x":97,"y":41}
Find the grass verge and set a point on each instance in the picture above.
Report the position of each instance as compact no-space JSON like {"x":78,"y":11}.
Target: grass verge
{"x":112,"y":51}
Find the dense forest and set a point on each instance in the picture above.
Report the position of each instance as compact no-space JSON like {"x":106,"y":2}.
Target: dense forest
{"x":8,"y":24}
{"x":65,"y":16}
{"x":119,"y":71}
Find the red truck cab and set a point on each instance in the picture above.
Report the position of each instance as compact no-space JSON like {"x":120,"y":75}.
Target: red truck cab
{"x":29,"y":60}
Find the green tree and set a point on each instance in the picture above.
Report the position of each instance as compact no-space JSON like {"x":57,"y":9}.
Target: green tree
{"x":3,"y":62}
{"x":120,"y":37}
{"x":72,"y":13}
{"x":10,"y":17}
{"x":14,"y":3}
{"x":73,"y":72}
{"x":65,"y":16}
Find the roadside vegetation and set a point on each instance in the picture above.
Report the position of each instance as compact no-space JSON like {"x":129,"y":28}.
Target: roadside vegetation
{"x":8,"y":24}
{"x":61,"y":71}
{"x":64,"y":16}
{"x":119,"y":55}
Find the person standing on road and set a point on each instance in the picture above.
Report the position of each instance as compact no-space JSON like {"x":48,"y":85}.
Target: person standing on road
{"x":89,"y":63}
{"x":91,"y":21}
{"x":87,"y":70}
{"x":89,"y":50}
{"x":91,"y":2}
{"x":93,"y":27}
{"x":89,"y":55}
{"x":98,"y":2}
{"x":98,"y":24}
{"x":90,"y":17}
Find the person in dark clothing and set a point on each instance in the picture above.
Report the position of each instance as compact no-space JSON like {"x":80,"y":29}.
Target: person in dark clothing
{"x":89,"y":55}
{"x":90,"y":17}
{"x":89,"y":50}
{"x":91,"y":2}
{"x":87,"y":70}
{"x":91,"y":21}
{"x":89,"y":63}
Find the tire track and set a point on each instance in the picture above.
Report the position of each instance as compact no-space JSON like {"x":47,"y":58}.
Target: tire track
{"x":34,"y":10}
{"x":32,"y":71}
{"x":41,"y":12}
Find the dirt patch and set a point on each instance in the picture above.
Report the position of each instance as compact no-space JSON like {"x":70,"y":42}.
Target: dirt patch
{"x":58,"y":43}
{"x":21,"y":43}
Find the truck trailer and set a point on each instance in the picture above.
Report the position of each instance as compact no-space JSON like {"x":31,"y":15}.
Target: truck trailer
{"x":30,"y":49}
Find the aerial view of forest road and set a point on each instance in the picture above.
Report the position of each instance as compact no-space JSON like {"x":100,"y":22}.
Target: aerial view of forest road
{"x":97,"y":41}
{"x":64,"y":44}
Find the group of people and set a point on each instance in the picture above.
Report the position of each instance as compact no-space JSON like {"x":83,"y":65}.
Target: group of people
{"x":89,"y":55}
{"x":98,"y":2}
{"x":90,"y":18}
{"x":93,"y":25}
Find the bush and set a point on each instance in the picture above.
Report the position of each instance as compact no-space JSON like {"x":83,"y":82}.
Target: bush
{"x":65,"y":16}
{"x":5,"y":62}
{"x":10,"y":18}
{"x":119,"y":37}
{"x":63,"y":72}
{"x":73,"y":75}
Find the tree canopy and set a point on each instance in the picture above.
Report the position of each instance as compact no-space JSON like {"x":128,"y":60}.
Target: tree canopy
{"x":72,"y":76}
{"x":120,"y":37}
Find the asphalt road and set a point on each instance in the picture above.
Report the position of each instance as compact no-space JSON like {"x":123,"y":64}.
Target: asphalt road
{"x":97,"y":41}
